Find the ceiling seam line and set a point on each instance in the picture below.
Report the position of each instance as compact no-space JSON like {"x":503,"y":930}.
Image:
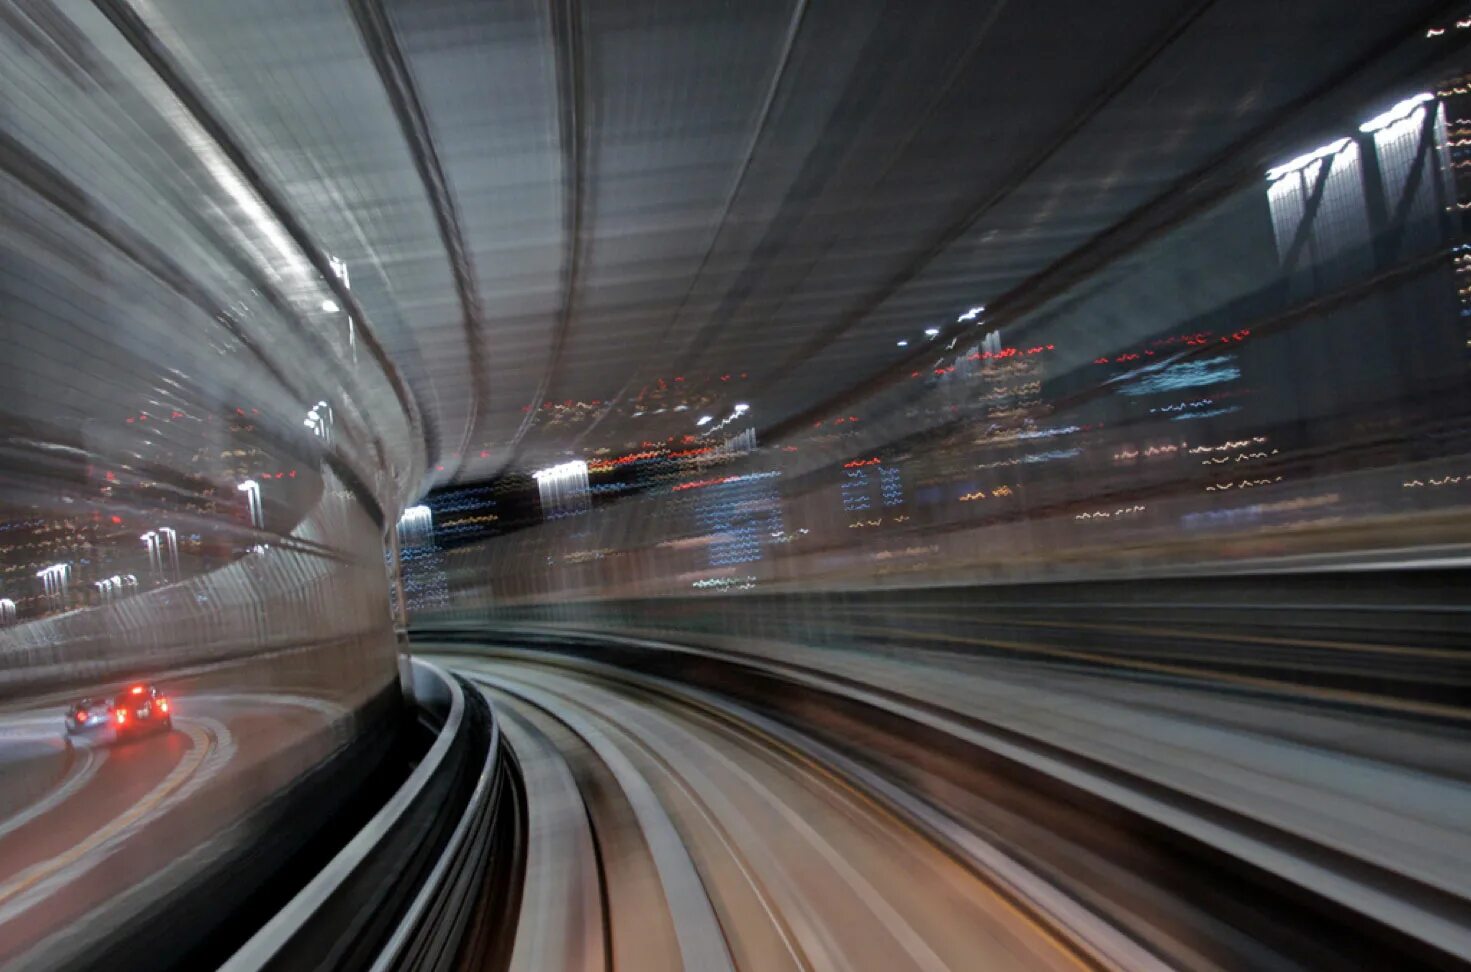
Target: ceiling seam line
{"x":377,"y":34}
{"x":730,"y":308}
{"x":566,"y":29}
{"x":82,"y":62}
{"x":27,"y":169}
{"x":794,"y":27}
{"x":151,"y":49}
{"x":956,"y":230}
{"x":895,"y":156}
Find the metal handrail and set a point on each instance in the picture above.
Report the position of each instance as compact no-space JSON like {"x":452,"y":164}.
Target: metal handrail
{"x":267,"y":944}
{"x":476,"y":808}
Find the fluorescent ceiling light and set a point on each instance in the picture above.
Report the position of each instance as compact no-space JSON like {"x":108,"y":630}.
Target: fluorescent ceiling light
{"x":1399,"y":112}
{"x":566,"y":470}
{"x":1307,"y":159}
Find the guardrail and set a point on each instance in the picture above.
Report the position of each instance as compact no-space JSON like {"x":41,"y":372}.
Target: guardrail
{"x":402,"y":893}
{"x":1371,"y":641}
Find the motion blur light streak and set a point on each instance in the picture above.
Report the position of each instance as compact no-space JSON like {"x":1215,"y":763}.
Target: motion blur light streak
{"x":630,"y":602}
{"x":1404,"y":110}
{"x":1308,"y":159}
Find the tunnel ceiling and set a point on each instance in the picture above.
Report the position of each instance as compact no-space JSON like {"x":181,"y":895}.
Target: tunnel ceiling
{"x":580,"y":226}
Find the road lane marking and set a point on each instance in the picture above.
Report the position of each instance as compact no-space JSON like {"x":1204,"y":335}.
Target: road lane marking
{"x":103,"y":837}
{"x":82,"y":773}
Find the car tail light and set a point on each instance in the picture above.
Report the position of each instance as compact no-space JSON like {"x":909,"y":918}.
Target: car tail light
{"x":122,"y":716}
{"x":81,"y":715}
{"x":163,"y":705}
{"x":137,"y":690}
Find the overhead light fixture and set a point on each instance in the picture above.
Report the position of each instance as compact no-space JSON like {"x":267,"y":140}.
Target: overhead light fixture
{"x":902,"y":344}
{"x":741,"y":408}
{"x":563,"y":489}
{"x":1399,"y":112}
{"x":1307,"y":159}
{"x":971,"y":314}
{"x":574,"y":468}
{"x":932,"y":332}
{"x":705,"y":420}
{"x":330,"y":306}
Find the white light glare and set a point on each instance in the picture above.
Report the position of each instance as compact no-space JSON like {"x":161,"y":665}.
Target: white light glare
{"x":971,"y":314}
{"x":564,"y":471}
{"x":705,"y":420}
{"x":330,"y":306}
{"x":932,"y":332}
{"x":1303,"y":161}
{"x":741,"y":408}
{"x":1399,"y":112}
{"x":248,"y":485}
{"x":416,"y":524}
{"x":902,"y":344}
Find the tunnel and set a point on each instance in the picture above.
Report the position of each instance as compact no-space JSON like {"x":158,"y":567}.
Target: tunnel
{"x":813,"y":485}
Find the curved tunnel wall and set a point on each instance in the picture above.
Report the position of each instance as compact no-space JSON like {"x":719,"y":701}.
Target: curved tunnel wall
{"x":201,"y":446}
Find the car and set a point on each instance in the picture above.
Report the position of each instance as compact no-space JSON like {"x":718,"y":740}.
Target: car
{"x":141,"y":708}
{"x":88,"y":715}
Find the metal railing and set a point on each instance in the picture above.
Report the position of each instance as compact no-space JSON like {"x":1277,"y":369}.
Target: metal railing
{"x":402,"y":893}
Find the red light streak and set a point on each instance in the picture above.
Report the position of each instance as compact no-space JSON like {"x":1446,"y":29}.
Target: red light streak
{"x":701,"y":483}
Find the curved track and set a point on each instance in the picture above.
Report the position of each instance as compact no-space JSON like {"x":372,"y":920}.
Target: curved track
{"x":669,"y":835}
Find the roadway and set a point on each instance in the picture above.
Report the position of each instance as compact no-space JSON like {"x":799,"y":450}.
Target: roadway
{"x":100,"y":822}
